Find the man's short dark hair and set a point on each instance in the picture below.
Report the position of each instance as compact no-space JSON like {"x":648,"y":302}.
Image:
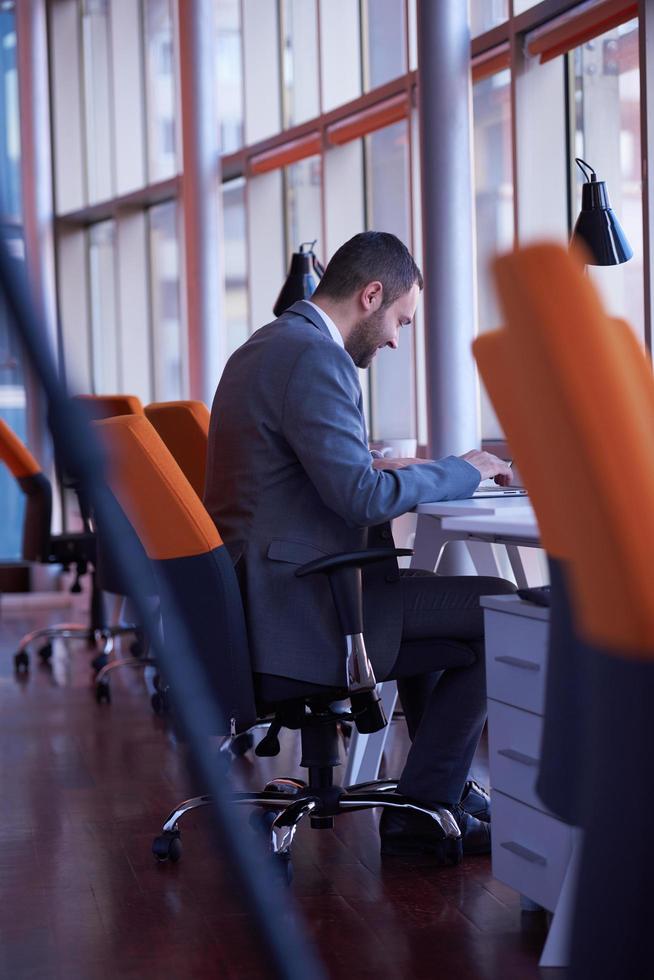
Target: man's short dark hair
{"x":370,"y":256}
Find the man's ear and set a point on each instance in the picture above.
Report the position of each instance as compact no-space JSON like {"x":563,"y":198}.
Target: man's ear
{"x":372,"y":295}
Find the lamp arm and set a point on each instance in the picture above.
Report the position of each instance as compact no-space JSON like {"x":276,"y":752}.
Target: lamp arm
{"x":583,"y":166}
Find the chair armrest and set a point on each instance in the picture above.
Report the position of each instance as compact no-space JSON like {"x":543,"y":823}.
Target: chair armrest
{"x":350,"y":559}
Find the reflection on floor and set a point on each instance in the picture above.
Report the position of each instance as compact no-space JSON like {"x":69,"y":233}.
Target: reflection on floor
{"x":85,"y":788}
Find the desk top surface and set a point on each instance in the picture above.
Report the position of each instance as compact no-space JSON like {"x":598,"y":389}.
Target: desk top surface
{"x":475,"y":506}
{"x":517,"y":523}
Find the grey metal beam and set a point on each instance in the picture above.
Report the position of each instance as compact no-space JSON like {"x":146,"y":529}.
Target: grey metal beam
{"x":201,"y":198}
{"x":447,"y":225}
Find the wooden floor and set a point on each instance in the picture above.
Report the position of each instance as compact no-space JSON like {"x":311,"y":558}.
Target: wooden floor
{"x":85,"y":788}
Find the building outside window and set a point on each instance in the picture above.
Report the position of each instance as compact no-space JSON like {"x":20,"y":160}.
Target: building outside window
{"x":493,"y":184}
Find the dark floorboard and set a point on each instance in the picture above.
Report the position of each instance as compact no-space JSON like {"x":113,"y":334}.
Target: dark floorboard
{"x":87,"y":786}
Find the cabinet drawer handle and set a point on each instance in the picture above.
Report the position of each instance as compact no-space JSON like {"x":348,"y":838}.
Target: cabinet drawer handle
{"x":524,"y":852}
{"x":518,"y":662}
{"x":515,"y":756}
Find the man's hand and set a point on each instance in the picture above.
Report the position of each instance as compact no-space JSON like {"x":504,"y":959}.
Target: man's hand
{"x":490,"y":467}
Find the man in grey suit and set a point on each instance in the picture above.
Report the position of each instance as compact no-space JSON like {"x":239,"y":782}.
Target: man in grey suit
{"x":290,"y":478}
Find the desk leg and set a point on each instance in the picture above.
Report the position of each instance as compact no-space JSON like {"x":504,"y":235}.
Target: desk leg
{"x":429,"y":542}
{"x":486,"y":559}
{"x":557,"y":946}
{"x":365,"y":751}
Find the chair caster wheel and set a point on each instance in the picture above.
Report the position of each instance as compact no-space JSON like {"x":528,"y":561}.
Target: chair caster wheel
{"x":282,"y":868}
{"x":160,"y":703}
{"x":241,"y":744}
{"x":22,"y":661}
{"x":45,"y":653}
{"x":168,"y":846}
{"x":99,"y":662}
{"x":103,"y":693}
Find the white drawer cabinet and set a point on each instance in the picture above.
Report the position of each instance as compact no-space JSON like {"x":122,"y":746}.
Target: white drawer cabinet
{"x":531,"y":850}
{"x":531,"y":847}
{"x":516,"y":658}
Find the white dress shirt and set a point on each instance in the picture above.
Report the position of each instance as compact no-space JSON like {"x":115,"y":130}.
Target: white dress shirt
{"x":331,"y":326}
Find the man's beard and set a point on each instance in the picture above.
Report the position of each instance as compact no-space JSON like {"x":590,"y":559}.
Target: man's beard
{"x":363,"y":342}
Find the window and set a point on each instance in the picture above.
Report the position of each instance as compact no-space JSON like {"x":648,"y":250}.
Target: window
{"x":97,"y":100}
{"x":392,"y":387}
{"x":607,"y":135}
{"x":104,"y":320}
{"x":235,"y":245}
{"x":229,"y":74}
{"x":303,"y":204}
{"x":169,"y":348}
{"x":384,"y":41}
{"x":299,"y":61}
{"x":486,"y":14}
{"x":493,"y":182}
{"x":162,"y":138}
{"x":10,"y":189}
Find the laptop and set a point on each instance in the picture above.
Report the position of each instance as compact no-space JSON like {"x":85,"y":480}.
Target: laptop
{"x":489,"y":488}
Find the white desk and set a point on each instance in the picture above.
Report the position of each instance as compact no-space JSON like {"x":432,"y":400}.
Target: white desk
{"x":451,"y":520}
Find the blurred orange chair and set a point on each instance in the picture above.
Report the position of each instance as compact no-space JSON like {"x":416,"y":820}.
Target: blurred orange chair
{"x":590,"y":386}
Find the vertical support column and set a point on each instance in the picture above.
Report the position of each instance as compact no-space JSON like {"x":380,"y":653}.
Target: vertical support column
{"x":444,"y":91}
{"x":36,"y":180}
{"x":201,"y":199}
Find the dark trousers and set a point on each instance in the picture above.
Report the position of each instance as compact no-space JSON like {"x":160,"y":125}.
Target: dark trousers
{"x":441,"y":679}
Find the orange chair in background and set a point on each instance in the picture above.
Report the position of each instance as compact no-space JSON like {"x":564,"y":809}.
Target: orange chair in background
{"x":184,"y":427}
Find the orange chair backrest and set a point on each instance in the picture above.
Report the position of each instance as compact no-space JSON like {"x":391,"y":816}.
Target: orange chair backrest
{"x":15,"y":454}
{"x":107,"y":406}
{"x":156,"y":497}
{"x":508,"y":385}
{"x":184,"y":427}
{"x":597,"y":406}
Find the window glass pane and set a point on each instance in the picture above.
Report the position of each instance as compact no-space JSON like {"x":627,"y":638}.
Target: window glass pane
{"x":485,"y":14}
{"x":384,"y":41}
{"x":493,"y":204}
{"x":160,"y":60}
{"x":10,"y":202}
{"x":104,"y":325}
{"x":13,"y":412}
{"x":235,"y":244}
{"x":166,"y":311}
{"x":299,"y":61}
{"x":607,"y":111}
{"x":392,"y":403}
{"x":340,"y":62}
{"x":303,"y":204}
{"x":519,"y":6}
{"x":96,"y":57}
{"x":229,"y":74}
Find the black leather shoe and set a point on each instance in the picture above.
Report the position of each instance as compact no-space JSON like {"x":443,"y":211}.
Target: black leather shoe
{"x":476,"y":801}
{"x":405,"y":832}
{"x":476,"y":833}
{"x":411,"y":832}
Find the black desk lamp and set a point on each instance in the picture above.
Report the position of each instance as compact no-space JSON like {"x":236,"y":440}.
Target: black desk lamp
{"x":597,"y":227}
{"x":303,"y":275}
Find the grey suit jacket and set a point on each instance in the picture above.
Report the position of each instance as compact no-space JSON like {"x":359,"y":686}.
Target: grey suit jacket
{"x":290,"y":478}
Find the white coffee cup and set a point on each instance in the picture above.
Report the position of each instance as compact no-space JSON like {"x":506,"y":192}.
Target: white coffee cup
{"x":399,"y":448}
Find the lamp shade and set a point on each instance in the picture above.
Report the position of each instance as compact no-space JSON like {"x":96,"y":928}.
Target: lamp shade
{"x":597,"y":227}
{"x":303,"y":276}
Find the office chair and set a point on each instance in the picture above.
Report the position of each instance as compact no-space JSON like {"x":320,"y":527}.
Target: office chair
{"x":599,"y":377}
{"x":40,"y":545}
{"x":190,"y":560}
{"x":110,"y":578}
{"x":184,"y":428}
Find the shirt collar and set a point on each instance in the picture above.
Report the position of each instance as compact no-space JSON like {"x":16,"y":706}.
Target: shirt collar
{"x":331,"y":326}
